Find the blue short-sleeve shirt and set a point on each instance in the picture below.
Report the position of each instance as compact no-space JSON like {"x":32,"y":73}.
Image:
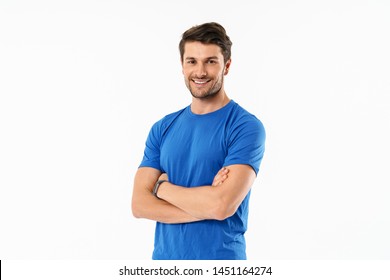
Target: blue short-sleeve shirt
{"x":191,"y":149}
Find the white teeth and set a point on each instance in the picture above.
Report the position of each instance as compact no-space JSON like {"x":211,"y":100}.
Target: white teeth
{"x":199,"y":82}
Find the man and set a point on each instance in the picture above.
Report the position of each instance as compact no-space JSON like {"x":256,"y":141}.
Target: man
{"x":200,"y":162}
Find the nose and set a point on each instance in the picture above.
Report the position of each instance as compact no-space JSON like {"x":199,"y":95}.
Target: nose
{"x":200,"y":70}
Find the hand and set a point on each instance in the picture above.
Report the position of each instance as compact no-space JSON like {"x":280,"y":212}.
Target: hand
{"x":163,"y":176}
{"x":220,"y":177}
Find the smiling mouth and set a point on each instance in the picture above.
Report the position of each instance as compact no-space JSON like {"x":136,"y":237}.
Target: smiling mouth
{"x":200,"y":82}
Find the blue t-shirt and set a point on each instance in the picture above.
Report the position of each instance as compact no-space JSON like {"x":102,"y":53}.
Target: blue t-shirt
{"x":191,"y":149}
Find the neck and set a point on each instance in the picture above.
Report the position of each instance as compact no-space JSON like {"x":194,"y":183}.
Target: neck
{"x":202,"y":106}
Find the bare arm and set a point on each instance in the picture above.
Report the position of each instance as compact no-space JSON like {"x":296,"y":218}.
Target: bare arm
{"x":212,"y":202}
{"x":146,"y":205}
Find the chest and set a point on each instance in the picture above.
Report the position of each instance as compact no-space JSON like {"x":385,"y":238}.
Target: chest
{"x":194,"y":145}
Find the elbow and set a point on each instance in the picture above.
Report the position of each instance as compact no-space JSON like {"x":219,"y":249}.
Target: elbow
{"x":222,"y":215}
{"x":136,"y":215}
{"x":222,"y":211}
{"x":135,"y":210}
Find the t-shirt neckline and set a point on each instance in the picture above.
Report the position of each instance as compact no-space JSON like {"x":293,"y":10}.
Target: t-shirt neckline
{"x":227,"y":106}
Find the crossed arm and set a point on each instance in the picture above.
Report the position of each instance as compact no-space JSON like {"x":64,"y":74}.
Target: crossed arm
{"x":179,"y":204}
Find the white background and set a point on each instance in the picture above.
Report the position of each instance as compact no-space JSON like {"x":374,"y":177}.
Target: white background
{"x":81,"y":83}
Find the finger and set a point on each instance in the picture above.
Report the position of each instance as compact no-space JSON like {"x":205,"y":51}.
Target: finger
{"x":220,"y":177}
{"x":223,"y":171}
{"x":215,"y":182}
{"x":219,"y":180}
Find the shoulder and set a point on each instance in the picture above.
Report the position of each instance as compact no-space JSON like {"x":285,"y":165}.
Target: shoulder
{"x":164,"y":123}
{"x":240,"y":117}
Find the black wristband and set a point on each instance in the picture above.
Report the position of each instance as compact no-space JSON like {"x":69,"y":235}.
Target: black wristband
{"x":156,"y":186}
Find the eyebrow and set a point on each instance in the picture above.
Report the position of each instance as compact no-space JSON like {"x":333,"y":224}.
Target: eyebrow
{"x":207,"y":58}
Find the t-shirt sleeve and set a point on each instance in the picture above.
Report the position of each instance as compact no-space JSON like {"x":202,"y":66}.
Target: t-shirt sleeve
{"x":151,"y":156}
{"x":246,"y":144}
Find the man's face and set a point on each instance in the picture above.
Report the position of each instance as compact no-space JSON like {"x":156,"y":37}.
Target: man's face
{"x":203,"y":69}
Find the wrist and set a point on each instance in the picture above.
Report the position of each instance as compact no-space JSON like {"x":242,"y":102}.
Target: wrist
{"x":157,"y":187}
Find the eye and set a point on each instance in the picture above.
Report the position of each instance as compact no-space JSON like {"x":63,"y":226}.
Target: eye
{"x":212,"y":61}
{"x":190,"y":61}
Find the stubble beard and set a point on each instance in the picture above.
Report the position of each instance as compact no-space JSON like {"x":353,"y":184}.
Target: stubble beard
{"x":212,"y":92}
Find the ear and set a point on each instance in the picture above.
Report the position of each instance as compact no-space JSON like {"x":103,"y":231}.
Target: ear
{"x":227,"y":67}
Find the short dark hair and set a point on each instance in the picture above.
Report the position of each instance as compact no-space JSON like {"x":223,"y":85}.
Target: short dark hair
{"x":207,"y":33}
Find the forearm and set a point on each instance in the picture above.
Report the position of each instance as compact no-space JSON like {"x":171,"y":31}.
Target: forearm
{"x":203,"y":202}
{"x":219,"y":201}
{"x":152,"y":208}
{"x":146,"y":205}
